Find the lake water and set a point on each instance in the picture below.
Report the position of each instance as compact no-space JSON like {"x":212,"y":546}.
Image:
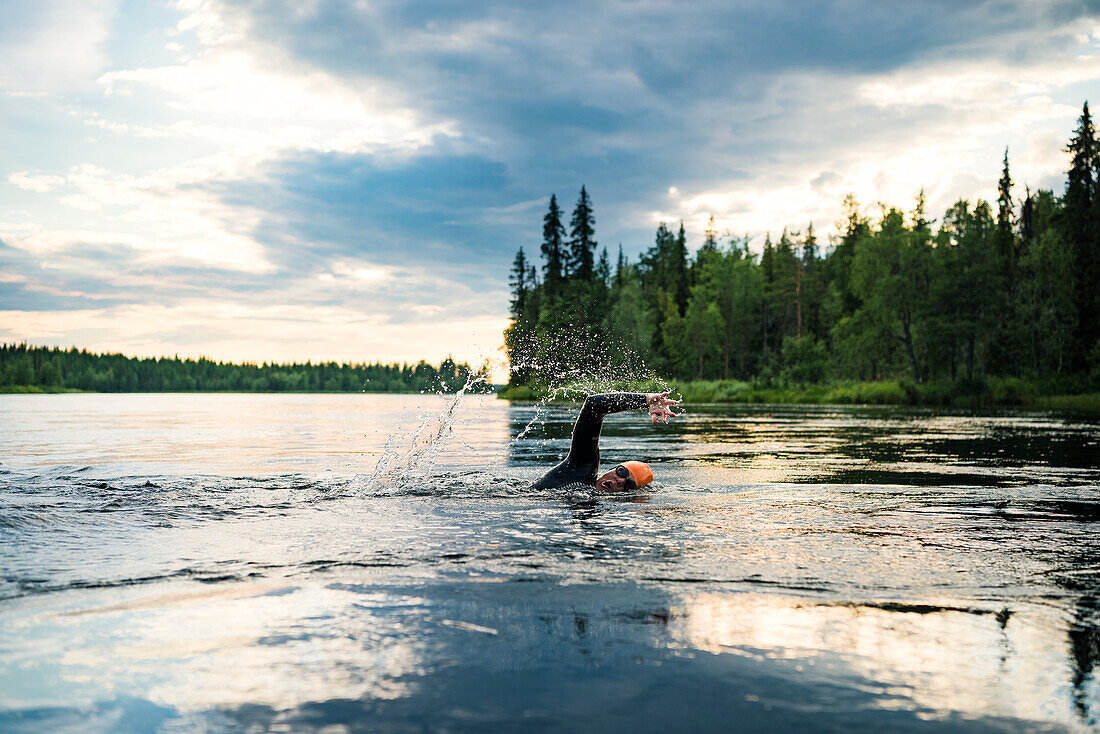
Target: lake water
{"x":284,"y":563}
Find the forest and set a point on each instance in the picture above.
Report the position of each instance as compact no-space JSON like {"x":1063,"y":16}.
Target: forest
{"x":26,"y":368}
{"x":996,"y":296}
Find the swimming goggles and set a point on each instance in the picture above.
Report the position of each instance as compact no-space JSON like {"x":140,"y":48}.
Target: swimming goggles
{"x":623,"y":473}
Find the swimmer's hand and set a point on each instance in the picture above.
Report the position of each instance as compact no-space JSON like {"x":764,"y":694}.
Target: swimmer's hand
{"x":660,"y":406}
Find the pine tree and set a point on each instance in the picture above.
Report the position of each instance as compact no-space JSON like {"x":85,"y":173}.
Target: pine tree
{"x":768,"y":271}
{"x":678,"y":271}
{"x":808,"y":286}
{"x":521,"y":285}
{"x":603,"y":268}
{"x":710,"y":237}
{"x":582,"y":240}
{"x":842,"y":300}
{"x":1027,"y":220}
{"x":1006,"y":221}
{"x":598,"y":291}
{"x":1082,"y":226}
{"x":553,"y":248}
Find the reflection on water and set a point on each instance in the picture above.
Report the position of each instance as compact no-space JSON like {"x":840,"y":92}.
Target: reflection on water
{"x":973,"y":660}
{"x":226,"y":563}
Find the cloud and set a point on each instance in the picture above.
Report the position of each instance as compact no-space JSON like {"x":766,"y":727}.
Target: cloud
{"x":315,"y":206}
{"x":38,"y":183}
{"x":53,"y":45}
{"x":240,"y":101}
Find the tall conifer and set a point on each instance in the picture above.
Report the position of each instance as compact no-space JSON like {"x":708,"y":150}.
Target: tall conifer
{"x":553,"y":248}
{"x":1082,"y":225}
{"x":582,"y":239}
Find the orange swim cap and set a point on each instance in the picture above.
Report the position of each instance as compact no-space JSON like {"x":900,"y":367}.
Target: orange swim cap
{"x":642,"y":474}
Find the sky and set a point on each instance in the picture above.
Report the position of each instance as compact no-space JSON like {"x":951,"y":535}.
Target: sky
{"x":286,"y":180}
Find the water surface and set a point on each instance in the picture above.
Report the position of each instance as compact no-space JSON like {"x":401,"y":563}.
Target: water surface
{"x":280,"y":562}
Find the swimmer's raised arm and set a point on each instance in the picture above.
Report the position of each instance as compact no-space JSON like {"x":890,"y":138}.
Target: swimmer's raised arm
{"x":585,"y":447}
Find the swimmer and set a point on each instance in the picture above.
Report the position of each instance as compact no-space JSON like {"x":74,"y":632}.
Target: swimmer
{"x":583,"y":462}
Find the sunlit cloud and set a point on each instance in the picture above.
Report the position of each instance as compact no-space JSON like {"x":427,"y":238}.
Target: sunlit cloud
{"x":957,"y":119}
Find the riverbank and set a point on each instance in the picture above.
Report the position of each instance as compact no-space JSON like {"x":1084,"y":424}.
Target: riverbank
{"x":994,"y":392}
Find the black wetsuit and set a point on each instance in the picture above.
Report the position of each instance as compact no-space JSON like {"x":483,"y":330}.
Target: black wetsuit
{"x":583,"y":462}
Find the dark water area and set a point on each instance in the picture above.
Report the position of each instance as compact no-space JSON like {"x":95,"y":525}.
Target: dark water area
{"x":375,"y":563}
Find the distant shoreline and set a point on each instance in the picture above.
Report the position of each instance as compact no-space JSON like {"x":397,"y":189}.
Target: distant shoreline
{"x":39,"y":390}
{"x":27,"y":368}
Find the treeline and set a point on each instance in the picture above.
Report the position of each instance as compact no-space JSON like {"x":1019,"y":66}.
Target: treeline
{"x":24,"y":367}
{"x":1006,"y":288}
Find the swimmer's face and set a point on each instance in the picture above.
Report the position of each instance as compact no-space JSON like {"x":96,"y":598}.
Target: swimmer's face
{"x":618,"y":479}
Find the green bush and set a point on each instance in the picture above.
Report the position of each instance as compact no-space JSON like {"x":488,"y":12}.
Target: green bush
{"x":805,"y":360}
{"x":1088,"y":402}
{"x":519,"y":393}
{"x":868,"y":393}
{"x":1009,"y":391}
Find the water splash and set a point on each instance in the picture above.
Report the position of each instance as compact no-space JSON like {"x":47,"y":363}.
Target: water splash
{"x":426,"y":442}
{"x":612,"y":365}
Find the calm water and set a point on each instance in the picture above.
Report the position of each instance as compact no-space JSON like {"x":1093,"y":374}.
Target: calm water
{"x":265,"y":562}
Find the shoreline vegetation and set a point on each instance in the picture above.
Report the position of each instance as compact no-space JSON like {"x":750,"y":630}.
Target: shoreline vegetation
{"x":33,"y":369}
{"x":995,"y":393}
{"x":994,"y":304}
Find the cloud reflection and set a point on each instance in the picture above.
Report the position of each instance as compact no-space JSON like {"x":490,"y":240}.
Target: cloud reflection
{"x":944,"y":659}
{"x":274,"y":645}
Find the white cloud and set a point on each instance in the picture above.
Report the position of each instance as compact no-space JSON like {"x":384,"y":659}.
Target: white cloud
{"x":53,"y":45}
{"x":151,"y":215}
{"x":966,"y":85}
{"x":248,"y":98}
{"x":39,"y":183}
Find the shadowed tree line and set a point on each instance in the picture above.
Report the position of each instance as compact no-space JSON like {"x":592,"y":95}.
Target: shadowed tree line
{"x":1006,"y":289}
{"x":53,"y":368}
